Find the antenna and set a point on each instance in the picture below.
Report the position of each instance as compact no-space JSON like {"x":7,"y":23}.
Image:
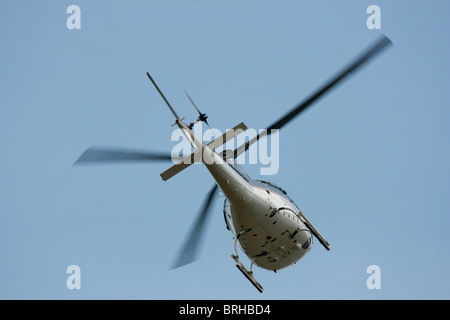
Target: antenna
{"x":167,"y":102}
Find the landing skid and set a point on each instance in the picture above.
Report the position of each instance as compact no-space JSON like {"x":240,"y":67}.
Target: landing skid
{"x":245,"y":272}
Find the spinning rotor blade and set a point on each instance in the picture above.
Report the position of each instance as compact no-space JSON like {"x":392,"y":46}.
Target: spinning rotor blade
{"x":96,"y":154}
{"x":188,"y":253}
{"x":376,"y":48}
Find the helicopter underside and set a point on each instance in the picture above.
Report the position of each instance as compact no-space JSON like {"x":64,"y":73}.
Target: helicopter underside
{"x":269,"y":230}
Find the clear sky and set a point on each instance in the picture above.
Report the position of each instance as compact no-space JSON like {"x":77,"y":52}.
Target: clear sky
{"x":368,"y":164}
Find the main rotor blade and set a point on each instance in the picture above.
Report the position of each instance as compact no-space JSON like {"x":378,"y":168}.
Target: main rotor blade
{"x":188,"y":253}
{"x":371,"y":52}
{"x":101,"y":154}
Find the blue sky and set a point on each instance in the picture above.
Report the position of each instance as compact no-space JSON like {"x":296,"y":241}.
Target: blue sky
{"x":368,"y":164}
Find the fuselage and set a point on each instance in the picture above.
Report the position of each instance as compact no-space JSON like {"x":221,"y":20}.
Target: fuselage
{"x":270,"y":231}
{"x":260,"y":215}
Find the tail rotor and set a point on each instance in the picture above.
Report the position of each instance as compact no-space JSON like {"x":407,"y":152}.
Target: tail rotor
{"x":201,"y":116}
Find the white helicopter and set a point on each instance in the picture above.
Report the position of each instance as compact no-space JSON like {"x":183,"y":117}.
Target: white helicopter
{"x":270,"y":229}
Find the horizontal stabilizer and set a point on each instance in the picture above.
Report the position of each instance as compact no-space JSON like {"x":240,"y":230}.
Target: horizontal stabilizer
{"x":227,"y":136}
{"x":196,"y":156}
{"x":180,"y":166}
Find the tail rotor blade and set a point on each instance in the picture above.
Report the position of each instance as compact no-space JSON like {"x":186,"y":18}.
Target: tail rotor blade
{"x":192,"y":101}
{"x":202,"y":116}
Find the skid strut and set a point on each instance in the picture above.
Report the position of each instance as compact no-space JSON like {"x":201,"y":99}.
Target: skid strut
{"x":240,"y":266}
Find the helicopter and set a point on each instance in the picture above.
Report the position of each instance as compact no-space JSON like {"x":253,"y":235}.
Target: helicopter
{"x":266,"y":223}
